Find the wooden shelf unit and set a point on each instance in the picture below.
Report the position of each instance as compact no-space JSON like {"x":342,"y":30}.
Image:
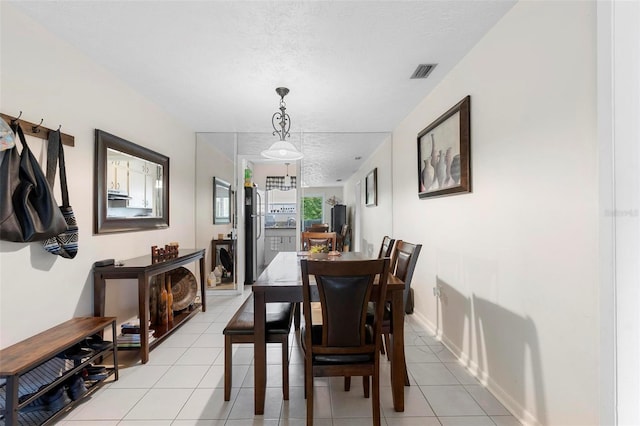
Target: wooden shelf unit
{"x":143,"y":268}
{"x":24,"y":357}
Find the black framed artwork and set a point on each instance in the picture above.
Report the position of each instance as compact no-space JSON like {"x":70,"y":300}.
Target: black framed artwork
{"x":371,"y":188}
{"x":221,"y":201}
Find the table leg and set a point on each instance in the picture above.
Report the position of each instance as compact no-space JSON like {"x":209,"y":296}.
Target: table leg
{"x":260,"y":350}
{"x":202,"y":285}
{"x":11,"y":401}
{"x":98,"y":295}
{"x":397,"y":358}
{"x":143,"y":313}
{"x":98,"y":298}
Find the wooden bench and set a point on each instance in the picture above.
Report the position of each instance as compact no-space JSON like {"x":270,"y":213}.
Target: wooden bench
{"x":21,"y":358}
{"x":240,"y":330}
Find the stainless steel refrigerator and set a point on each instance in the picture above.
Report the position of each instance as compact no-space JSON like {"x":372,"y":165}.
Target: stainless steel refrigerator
{"x":253,"y":232}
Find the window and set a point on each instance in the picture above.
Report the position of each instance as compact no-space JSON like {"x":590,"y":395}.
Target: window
{"x":312,"y":210}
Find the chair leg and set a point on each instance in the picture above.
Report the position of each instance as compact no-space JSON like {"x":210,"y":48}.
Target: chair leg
{"x":387,"y":343}
{"x":297,"y":307}
{"x":375,"y":401}
{"x":347,"y":383}
{"x":308,"y":386}
{"x":227,"y":367}
{"x":285,"y":368}
{"x":365,"y":386}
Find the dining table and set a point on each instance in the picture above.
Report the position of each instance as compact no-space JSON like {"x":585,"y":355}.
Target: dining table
{"x":281,"y":281}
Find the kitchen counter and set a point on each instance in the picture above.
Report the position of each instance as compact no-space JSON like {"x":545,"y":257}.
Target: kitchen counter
{"x":279,"y":227}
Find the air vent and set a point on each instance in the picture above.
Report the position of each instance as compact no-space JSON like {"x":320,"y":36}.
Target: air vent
{"x":423,"y":70}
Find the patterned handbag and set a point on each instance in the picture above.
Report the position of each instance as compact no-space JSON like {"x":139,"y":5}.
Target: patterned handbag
{"x":66,"y":243}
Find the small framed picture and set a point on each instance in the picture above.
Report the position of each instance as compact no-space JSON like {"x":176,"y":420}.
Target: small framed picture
{"x":371,"y":188}
{"x":221,"y":201}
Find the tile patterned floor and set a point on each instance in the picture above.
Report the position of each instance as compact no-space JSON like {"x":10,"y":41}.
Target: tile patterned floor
{"x":182,"y":385}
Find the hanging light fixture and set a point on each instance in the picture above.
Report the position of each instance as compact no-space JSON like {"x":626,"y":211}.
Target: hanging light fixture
{"x":287,"y":178}
{"x":282,"y":150}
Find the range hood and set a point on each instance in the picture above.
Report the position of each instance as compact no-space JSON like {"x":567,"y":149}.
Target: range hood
{"x":116,"y":194}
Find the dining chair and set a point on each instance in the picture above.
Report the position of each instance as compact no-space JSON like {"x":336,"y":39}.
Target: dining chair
{"x":405,"y":258}
{"x":310,"y":239}
{"x":318,"y":227}
{"x":386,"y":249}
{"x":406,"y":255}
{"x":344,"y":238}
{"x":343,"y":345}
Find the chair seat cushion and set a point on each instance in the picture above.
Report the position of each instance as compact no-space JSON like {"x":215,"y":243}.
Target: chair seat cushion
{"x":316,"y":338}
{"x":278,"y":318}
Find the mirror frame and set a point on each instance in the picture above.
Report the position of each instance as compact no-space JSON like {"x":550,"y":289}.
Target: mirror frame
{"x":221,"y":220}
{"x":105,"y":225}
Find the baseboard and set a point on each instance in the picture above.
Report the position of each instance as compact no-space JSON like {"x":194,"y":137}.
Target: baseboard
{"x":524,"y":416}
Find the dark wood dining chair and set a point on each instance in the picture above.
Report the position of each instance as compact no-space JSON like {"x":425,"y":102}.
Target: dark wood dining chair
{"x":344,"y":345}
{"x":310,"y":239}
{"x":318,"y":227}
{"x":406,"y":255}
{"x":386,"y":249}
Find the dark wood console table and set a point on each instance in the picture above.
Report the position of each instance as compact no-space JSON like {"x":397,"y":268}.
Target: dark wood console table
{"x":144,"y":269}
{"x":230,"y":245}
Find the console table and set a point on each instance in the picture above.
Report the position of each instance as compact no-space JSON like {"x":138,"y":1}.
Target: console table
{"x":144,"y":269}
{"x":230,"y":245}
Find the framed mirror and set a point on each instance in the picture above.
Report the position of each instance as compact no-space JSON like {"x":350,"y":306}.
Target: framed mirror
{"x":221,"y":201}
{"x":131,"y":186}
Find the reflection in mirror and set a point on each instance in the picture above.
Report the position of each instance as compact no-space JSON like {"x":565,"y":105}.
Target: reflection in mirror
{"x":221,"y":201}
{"x":132,"y":186}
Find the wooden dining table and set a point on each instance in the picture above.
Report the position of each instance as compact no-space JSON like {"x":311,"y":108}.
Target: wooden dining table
{"x":281,"y":281}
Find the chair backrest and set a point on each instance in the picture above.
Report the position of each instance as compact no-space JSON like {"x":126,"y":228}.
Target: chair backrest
{"x":406,"y":256}
{"x":386,"y":249}
{"x":327,"y":239}
{"x":344,"y":289}
{"x":318,"y":227}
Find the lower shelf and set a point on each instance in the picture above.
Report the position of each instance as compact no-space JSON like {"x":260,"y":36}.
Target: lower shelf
{"x":46,"y":416}
{"x":162,"y":332}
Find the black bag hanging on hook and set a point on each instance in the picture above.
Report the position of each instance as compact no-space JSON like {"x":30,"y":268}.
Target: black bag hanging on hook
{"x":28,"y":211}
{"x":64,"y":244}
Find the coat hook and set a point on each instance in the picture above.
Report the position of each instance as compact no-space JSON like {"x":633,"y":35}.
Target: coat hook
{"x":17,"y":118}
{"x":36,"y":129}
{"x":59,"y":127}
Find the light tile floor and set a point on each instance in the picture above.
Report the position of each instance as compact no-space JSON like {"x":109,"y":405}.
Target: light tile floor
{"x":182,"y":385}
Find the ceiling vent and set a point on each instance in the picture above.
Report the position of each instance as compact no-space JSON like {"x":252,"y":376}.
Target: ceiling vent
{"x":423,"y":70}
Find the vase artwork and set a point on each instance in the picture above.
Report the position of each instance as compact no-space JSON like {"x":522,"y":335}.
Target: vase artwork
{"x":441,"y":168}
{"x":444,"y":154}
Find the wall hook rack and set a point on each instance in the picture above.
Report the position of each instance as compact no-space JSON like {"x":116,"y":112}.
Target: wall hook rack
{"x":37,"y":130}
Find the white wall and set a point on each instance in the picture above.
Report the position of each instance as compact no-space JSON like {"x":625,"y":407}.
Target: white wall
{"x":46,"y":78}
{"x":376,"y":221}
{"x":517,"y":259}
{"x":210,"y":162}
{"x":619,"y":132}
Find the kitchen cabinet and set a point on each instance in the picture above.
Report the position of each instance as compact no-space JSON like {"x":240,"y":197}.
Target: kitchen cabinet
{"x":277,"y":240}
{"x":117,"y":175}
{"x":141,"y":184}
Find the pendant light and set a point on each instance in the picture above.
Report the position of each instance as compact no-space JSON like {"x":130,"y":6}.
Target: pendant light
{"x":287,"y":178}
{"x":282,"y":150}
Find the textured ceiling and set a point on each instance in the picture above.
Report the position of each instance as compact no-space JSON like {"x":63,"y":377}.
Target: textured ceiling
{"x":214,"y":65}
